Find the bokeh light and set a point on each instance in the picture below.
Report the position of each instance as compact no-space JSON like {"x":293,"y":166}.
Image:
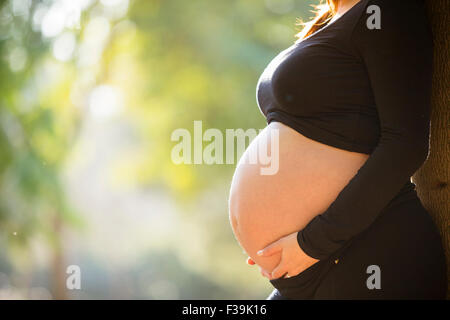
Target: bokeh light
{"x":90,"y":93}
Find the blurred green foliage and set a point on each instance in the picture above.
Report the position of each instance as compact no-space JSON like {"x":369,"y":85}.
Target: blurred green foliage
{"x":172,"y":61}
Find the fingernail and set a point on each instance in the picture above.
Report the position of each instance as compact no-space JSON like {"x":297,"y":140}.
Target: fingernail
{"x":259,"y":253}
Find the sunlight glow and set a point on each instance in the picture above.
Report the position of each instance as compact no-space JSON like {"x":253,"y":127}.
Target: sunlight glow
{"x":105,"y":101}
{"x":18,"y":59}
{"x":64,"y":46}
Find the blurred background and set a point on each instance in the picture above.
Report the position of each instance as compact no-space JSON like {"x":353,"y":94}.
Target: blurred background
{"x":90,"y":92}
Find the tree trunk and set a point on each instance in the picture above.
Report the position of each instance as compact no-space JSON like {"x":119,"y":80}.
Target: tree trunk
{"x":432,"y":179}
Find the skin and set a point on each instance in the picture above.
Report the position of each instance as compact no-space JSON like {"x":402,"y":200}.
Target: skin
{"x":343,"y":7}
{"x":287,"y":258}
{"x":267,"y":211}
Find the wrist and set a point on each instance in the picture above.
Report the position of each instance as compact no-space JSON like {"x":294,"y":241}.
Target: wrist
{"x":304,"y":247}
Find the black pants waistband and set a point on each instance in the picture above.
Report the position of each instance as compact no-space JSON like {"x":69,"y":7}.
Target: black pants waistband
{"x":304,"y":285}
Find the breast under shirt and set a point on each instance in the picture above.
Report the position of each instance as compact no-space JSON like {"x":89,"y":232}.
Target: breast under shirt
{"x":360,"y":89}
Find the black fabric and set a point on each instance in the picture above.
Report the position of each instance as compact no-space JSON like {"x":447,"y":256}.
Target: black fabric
{"x":360,"y":90}
{"x":403,"y":242}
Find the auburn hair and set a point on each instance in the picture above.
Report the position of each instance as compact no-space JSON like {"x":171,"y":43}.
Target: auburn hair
{"x":324,"y":13}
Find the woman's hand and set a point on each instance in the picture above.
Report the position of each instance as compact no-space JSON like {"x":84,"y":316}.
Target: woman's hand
{"x":264,"y":273}
{"x":293,"y":259}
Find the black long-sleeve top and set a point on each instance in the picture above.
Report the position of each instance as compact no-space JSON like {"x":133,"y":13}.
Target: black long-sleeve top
{"x":363,"y":90}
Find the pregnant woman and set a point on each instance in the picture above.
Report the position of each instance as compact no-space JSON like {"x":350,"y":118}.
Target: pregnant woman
{"x":341,"y":219}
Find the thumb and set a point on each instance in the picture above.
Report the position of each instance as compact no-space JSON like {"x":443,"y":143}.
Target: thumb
{"x":279,"y":271}
{"x":270,"y":249}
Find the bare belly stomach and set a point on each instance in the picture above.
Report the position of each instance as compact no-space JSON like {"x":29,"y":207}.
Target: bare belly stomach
{"x":265,"y":206}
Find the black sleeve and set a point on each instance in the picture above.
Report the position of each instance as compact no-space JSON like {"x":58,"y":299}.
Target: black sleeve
{"x":398,"y":60}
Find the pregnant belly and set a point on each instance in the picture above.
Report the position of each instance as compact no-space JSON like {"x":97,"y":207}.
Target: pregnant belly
{"x":265,"y":207}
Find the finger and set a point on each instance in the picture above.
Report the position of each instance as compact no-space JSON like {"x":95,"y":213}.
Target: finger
{"x":250,"y":261}
{"x":279,"y":271}
{"x":270,"y":249}
{"x":264,"y":273}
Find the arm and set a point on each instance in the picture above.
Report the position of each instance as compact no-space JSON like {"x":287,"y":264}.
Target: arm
{"x":398,"y":59}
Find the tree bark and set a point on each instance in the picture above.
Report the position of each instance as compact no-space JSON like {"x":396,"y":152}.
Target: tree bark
{"x":432,"y":179}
